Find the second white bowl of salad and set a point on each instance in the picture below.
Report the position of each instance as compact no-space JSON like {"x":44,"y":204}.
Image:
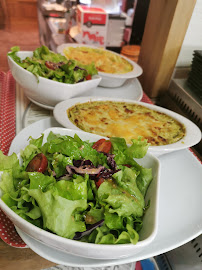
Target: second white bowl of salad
{"x":48,"y":78}
{"x":83,"y":194}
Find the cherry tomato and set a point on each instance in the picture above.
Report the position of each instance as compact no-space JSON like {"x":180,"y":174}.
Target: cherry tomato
{"x":102,"y":146}
{"x":88,"y":77}
{"x":38,"y":164}
{"x":50,"y":65}
{"x":99,"y":182}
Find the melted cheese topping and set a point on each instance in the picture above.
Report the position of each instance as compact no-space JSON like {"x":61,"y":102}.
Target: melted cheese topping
{"x":119,"y":119}
{"x":104,"y":61}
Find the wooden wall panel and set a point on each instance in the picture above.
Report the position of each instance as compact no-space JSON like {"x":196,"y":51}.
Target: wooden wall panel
{"x":165,"y":28}
{"x":22,"y":9}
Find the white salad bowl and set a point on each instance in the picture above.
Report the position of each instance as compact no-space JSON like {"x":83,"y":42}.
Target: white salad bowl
{"x":98,"y":251}
{"x":109,"y":79}
{"x":192,"y":133}
{"x":46,"y":91}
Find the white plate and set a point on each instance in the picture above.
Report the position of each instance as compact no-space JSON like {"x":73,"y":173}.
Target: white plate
{"x":180,"y":218}
{"x":131,"y":89}
{"x":192,"y":134}
{"x":35,"y":129}
{"x":63,"y":258}
{"x":48,"y":107}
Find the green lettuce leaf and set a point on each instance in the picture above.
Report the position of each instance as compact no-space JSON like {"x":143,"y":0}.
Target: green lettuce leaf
{"x":58,"y":213}
{"x":8,"y":162}
{"x":39,"y":180}
{"x":6,"y":183}
{"x":120,"y":202}
{"x":125,"y":154}
{"x":76,"y":149}
{"x":144,"y":179}
{"x":103,"y":235}
{"x":126,"y":179}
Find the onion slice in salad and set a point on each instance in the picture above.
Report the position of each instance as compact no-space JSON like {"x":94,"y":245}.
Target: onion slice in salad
{"x":79,"y":235}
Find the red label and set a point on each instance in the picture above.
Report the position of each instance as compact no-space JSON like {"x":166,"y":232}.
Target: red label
{"x":94,"y":19}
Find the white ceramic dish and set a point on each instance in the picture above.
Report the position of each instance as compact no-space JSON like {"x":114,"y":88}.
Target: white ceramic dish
{"x":192,"y":137}
{"x":109,"y":80}
{"x":177,"y":169}
{"x":42,"y":105}
{"x":87,"y":250}
{"x":47,"y":91}
{"x":131,"y":89}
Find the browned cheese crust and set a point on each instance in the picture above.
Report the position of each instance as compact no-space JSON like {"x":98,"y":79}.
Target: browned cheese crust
{"x":127,"y":120}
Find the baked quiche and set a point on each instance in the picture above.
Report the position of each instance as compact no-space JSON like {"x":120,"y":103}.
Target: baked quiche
{"x":127,"y":120}
{"x":105,"y":61}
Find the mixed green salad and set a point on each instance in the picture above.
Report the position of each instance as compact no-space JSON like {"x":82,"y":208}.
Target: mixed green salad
{"x":91,"y":192}
{"x":54,"y":66}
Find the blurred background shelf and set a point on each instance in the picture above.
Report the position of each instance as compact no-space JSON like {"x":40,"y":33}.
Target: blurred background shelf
{"x":183,"y":100}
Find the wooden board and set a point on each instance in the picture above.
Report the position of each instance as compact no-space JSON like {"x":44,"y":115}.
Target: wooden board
{"x":22,"y":9}
{"x":21,"y":258}
{"x":165,"y":28}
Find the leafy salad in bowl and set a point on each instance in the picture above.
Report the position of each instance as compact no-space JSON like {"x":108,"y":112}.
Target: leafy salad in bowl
{"x":54,"y":66}
{"x":81,"y":189}
{"x":48,"y":78}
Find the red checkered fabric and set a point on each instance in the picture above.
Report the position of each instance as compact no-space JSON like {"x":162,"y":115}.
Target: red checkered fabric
{"x":146,"y":99}
{"x":7,"y":132}
{"x":7,"y":111}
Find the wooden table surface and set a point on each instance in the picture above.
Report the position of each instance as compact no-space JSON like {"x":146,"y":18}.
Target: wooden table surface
{"x":21,"y":258}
